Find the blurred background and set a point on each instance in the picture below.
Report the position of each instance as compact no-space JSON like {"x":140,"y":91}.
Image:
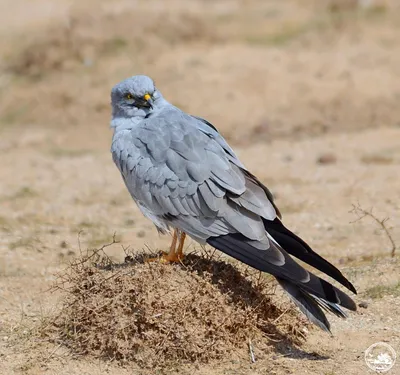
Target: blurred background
{"x":306,"y":91}
{"x":260,"y":70}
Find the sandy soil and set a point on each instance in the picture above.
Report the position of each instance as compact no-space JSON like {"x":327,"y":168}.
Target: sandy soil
{"x":308,"y":96}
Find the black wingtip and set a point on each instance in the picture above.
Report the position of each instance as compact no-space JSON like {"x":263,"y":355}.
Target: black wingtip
{"x":297,"y":247}
{"x":236,"y":246}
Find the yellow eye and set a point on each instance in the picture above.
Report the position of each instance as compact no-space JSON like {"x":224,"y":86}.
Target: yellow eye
{"x":129,"y":96}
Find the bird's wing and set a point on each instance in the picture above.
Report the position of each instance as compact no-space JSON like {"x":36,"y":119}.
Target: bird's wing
{"x":209,"y":129}
{"x":173,"y":166}
{"x":286,"y":239}
{"x":178,"y":171}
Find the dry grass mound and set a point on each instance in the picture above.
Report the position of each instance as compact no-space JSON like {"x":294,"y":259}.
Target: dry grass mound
{"x":156,"y":314}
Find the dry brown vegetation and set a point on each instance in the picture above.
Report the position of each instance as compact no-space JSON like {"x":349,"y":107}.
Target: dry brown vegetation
{"x":159,"y":316}
{"x":306,"y":91}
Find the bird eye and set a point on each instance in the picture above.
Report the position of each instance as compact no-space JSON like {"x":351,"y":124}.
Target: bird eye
{"x":129,"y":96}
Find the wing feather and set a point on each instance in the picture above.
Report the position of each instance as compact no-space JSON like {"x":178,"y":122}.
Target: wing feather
{"x":213,"y":202}
{"x":195,"y":174}
{"x":216,"y":190}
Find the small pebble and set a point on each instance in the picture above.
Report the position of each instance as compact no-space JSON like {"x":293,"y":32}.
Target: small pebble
{"x":141,"y":234}
{"x":363,"y":304}
{"x":129,"y":222}
{"x":327,"y":159}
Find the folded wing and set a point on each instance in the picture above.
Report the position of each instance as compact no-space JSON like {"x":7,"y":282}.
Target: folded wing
{"x":184,"y":174}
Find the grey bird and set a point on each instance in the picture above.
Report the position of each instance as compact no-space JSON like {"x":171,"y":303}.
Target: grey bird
{"x":185,"y":177}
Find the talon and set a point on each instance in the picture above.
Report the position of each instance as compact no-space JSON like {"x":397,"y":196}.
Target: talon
{"x":173,"y":256}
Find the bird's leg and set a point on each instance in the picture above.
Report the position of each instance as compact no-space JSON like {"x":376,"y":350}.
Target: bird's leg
{"x":173,"y":255}
{"x":179,"y":252}
{"x":172,"y":247}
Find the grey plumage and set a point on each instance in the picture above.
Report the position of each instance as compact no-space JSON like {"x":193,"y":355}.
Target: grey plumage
{"x":183,"y":174}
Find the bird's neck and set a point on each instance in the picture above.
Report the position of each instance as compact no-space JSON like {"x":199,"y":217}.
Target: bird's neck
{"x":121,"y":123}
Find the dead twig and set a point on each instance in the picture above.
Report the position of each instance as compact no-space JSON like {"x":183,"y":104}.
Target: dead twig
{"x":280,"y":316}
{"x":251,"y":352}
{"x":361,"y":213}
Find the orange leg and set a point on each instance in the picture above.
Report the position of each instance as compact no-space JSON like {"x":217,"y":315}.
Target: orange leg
{"x":173,"y":242}
{"x":173,"y":256}
{"x":179,"y":252}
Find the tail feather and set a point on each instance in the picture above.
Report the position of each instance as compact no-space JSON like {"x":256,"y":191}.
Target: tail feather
{"x":331,"y":307}
{"x":310,"y":293}
{"x":307,"y":304}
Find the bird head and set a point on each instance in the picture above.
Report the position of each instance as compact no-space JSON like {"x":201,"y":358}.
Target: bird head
{"x":134,"y":97}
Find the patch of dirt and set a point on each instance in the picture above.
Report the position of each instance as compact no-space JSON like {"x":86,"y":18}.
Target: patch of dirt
{"x":158,"y":315}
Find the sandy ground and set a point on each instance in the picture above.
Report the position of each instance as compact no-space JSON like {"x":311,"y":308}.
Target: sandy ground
{"x":288,"y":83}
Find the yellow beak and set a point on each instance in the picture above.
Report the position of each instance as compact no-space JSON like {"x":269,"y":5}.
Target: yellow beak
{"x":147,"y":97}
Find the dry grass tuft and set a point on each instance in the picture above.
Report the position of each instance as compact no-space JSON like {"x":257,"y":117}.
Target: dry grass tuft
{"x":379,"y":291}
{"x":158,"y":315}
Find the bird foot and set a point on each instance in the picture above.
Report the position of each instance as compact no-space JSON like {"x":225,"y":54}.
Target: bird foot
{"x":167,"y":258}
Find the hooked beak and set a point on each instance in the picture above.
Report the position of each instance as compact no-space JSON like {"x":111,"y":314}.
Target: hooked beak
{"x":148,"y":101}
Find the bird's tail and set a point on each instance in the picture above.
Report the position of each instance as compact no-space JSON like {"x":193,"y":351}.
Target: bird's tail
{"x":312,"y":306}
{"x":309,"y":292}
